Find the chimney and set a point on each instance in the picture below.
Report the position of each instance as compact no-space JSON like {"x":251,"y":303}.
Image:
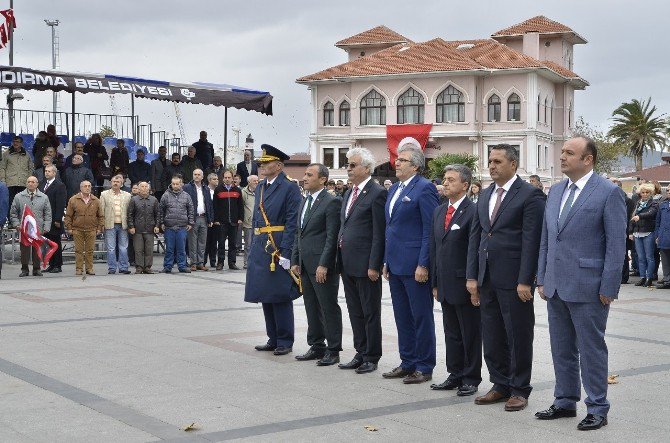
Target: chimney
{"x":531,"y":44}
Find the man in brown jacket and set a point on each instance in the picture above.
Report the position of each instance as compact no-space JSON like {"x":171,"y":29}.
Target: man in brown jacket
{"x":83,"y":220}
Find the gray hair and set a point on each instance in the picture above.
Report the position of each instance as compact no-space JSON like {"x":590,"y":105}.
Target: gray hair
{"x":211,"y":175}
{"x":417,"y":158}
{"x":510,"y":152}
{"x":50,"y":167}
{"x":367,"y":159}
{"x":322,"y":169}
{"x":464,"y":172}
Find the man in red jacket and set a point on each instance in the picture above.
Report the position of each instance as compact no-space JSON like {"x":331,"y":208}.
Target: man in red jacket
{"x":228,"y":214}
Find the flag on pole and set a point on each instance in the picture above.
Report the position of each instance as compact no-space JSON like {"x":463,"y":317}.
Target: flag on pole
{"x":30,"y":236}
{"x":398,"y":135}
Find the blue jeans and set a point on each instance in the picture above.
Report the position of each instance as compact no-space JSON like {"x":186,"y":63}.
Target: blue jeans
{"x":645,"y":247}
{"x":175,"y":244}
{"x":117,"y":237}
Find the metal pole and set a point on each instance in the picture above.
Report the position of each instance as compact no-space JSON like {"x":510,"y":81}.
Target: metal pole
{"x":53,"y":66}
{"x":73,"y":116}
{"x":132,"y":113}
{"x":10,"y":100}
{"x":225,"y":137}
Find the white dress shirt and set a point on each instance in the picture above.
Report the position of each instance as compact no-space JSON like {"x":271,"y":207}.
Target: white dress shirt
{"x":398,"y":192}
{"x":494,"y":195}
{"x":580,"y":185}
{"x":304,"y":209}
{"x":200,"y":210}
{"x":360,"y":189}
{"x":48,"y":183}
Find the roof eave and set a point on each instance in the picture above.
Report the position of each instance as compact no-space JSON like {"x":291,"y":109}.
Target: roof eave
{"x":574,"y":38}
{"x":358,"y":45}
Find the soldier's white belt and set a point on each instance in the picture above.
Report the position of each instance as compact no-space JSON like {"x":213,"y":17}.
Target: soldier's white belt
{"x":268,"y":229}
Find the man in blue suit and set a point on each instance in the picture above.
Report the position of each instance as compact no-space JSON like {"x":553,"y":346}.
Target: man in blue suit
{"x":579,"y":274}
{"x":269,"y":279}
{"x":409,"y":219}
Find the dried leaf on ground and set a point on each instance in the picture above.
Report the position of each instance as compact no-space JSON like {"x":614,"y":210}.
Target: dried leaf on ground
{"x":192,"y":427}
{"x":612,"y":379}
{"x":370,"y":428}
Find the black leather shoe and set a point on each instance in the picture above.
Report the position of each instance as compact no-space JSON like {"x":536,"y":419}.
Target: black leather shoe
{"x":642,"y":282}
{"x":54,"y":270}
{"x":48,"y":269}
{"x":448,"y":385}
{"x":592,"y":422}
{"x":650,"y":283}
{"x":353,"y":364}
{"x":664,"y":285}
{"x":125,"y":272}
{"x":185,"y":271}
{"x":233,"y":267}
{"x":265,"y":347}
{"x":465,"y":390}
{"x":282,"y":350}
{"x":312,"y":354}
{"x":24,"y":273}
{"x":37,"y":273}
{"x":366,"y":367}
{"x":329,"y":359}
{"x":166,"y":271}
{"x":555,"y":412}
{"x":398,"y":372}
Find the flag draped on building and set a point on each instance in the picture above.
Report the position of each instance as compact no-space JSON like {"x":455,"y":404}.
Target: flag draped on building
{"x":398,"y":135}
{"x":30,"y":236}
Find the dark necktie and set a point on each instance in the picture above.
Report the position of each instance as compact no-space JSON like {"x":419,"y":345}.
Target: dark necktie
{"x":31,"y":196}
{"x":447,"y":219}
{"x":567,"y":206}
{"x":494,"y":214}
{"x":46,"y":186}
{"x":354,"y":196}
{"x":309,"y":207}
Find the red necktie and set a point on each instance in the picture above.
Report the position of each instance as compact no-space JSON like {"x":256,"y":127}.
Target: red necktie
{"x":447,"y":219}
{"x":353,"y":199}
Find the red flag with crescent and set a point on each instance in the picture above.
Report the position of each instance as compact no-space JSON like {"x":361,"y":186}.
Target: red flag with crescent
{"x":30,"y":236}
{"x":398,"y":135}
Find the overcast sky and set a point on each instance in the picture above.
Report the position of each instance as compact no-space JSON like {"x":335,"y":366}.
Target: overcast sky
{"x":266,"y":45}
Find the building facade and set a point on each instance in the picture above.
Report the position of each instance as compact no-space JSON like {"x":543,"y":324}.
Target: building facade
{"x":516,"y":87}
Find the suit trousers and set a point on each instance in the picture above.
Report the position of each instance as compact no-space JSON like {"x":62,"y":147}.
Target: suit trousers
{"x":279,"y":324}
{"x":227,"y":232}
{"x":28,"y":252}
{"x":415,"y":321}
{"x":364,"y":303}
{"x":463,"y":340}
{"x":507,"y":334}
{"x":577,"y":335}
{"x":212,"y":242}
{"x":197,"y":241}
{"x":324,"y":316}
{"x":56,"y":259}
{"x":84,"y":243}
{"x":143,"y":244}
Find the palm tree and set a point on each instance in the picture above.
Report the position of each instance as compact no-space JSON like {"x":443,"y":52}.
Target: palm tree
{"x":636,"y":127}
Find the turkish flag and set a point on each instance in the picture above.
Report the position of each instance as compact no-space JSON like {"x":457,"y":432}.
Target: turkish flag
{"x":398,"y":135}
{"x":30,"y":236}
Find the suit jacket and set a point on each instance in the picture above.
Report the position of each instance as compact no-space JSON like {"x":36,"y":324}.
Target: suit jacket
{"x":584,"y":259}
{"x":449,"y":252}
{"x":509,"y":247}
{"x":362,"y":231}
{"x":244,"y":173}
{"x":190,"y":189}
{"x":408,"y":228}
{"x":57,"y":194}
{"x":316,"y":239}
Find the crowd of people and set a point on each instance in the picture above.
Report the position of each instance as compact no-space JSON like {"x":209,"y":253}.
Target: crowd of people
{"x":192,"y":200}
{"x":482,"y":254}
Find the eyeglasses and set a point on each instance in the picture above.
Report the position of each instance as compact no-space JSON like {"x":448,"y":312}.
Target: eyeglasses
{"x":401,"y":160}
{"x":351,"y":165}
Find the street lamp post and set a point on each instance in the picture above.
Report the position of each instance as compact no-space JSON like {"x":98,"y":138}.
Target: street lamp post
{"x":54,"y":60}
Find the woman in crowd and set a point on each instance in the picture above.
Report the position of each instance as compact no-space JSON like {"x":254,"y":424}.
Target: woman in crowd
{"x":641,"y":229}
{"x":475,"y":190}
{"x":97,"y":154}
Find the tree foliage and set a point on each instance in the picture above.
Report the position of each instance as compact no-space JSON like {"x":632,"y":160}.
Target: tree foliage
{"x":609,"y":150}
{"x":638,"y":129}
{"x":436,"y":165}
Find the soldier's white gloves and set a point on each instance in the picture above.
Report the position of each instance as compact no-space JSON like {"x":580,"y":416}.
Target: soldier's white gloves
{"x":285,"y":263}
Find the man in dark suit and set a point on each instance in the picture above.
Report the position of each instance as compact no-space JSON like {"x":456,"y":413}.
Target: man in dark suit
{"x":56,"y":191}
{"x":360,"y":257}
{"x":579,"y":275}
{"x":313,"y":258}
{"x":409,"y":219}
{"x":449,"y":240}
{"x":502,"y":263}
{"x":246,"y":168}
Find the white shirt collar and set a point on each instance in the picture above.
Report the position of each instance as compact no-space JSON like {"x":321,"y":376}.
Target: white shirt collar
{"x":458,"y":203}
{"x":582,"y":181}
{"x":316,"y":193}
{"x":507,"y":185}
{"x":406,"y":182}
{"x":269,"y":182}
{"x":362,"y":184}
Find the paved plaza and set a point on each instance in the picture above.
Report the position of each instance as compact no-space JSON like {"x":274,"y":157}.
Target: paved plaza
{"x":136,"y":358}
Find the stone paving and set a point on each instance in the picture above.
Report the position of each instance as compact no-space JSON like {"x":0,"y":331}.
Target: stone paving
{"x":136,"y":358}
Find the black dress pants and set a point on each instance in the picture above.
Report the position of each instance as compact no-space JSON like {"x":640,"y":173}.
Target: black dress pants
{"x":227,"y":231}
{"x":463,"y":340}
{"x":324,"y":316}
{"x":364,"y":302}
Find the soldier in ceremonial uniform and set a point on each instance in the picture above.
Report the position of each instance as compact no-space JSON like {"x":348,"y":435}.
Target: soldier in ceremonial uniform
{"x":270,"y":280}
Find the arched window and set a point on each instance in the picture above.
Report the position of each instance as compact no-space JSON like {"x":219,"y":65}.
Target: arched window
{"x":450,"y":106}
{"x":344,"y":113}
{"x":373,"y":109}
{"x":513,"y":108}
{"x":328,"y":114}
{"x":570,"y":116}
{"x":494,"y":108}
{"x":546,"y":106}
{"x":538,"y":107}
{"x":551,"y":116}
{"x":410,"y":107}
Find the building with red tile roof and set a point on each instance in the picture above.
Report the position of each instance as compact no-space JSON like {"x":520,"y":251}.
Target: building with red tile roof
{"x":515,"y":87}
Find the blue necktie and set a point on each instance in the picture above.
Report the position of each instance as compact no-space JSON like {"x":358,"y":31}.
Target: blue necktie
{"x":567,"y":206}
